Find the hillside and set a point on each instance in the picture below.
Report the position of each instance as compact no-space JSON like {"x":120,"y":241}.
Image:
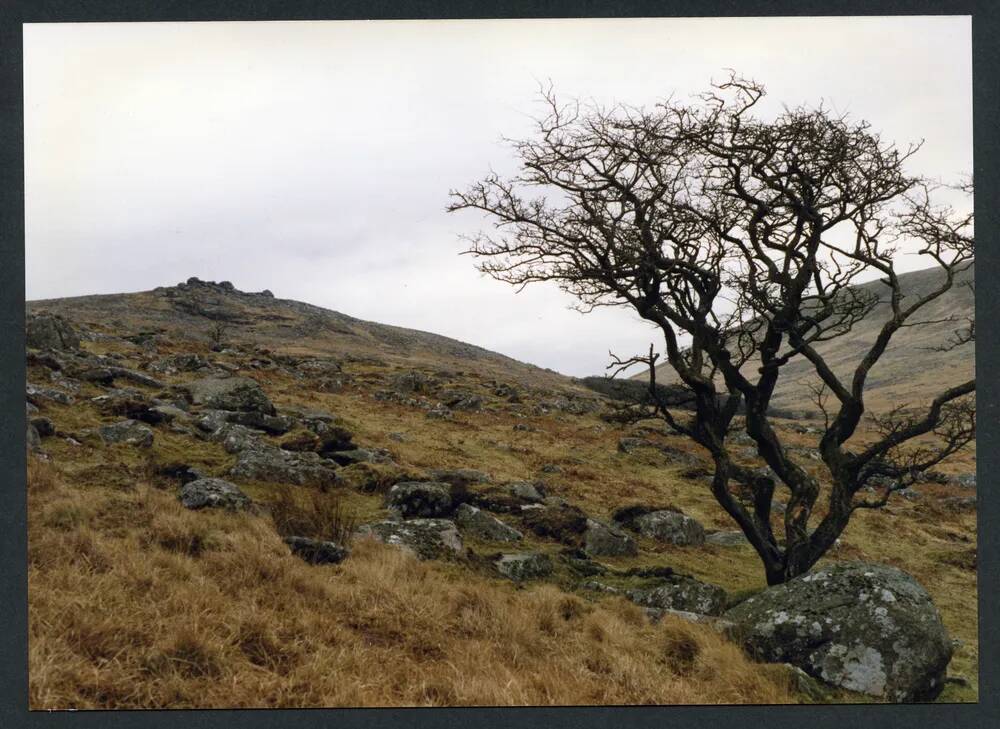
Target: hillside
{"x":193,"y":309}
{"x":911,"y":371}
{"x":216,"y":519}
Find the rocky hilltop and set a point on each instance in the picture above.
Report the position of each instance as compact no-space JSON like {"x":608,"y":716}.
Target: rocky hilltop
{"x":198,"y":310}
{"x":274,"y":454}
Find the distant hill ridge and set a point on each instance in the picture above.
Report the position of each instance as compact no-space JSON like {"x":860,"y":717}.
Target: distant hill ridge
{"x":194,"y":308}
{"x":910,"y":372}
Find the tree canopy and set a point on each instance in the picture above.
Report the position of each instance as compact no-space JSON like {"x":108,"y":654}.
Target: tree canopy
{"x":741,"y":239}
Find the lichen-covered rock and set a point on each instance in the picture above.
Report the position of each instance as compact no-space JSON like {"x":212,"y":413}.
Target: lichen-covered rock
{"x":229,"y":393}
{"x":726,"y":539}
{"x":604,"y":540}
{"x":440,"y":412}
{"x":671,"y":527}
{"x":458,"y":399}
{"x":413,"y":382}
{"x":50,"y":331}
{"x":184,"y":362}
{"x":524,"y":566}
{"x":169,"y":413}
{"x":213,"y":493}
{"x":131,"y":432}
{"x":508,"y":498}
{"x":865,"y":627}
{"x":265,"y":462}
{"x":236,"y":438}
{"x":37,"y":395}
{"x":211,"y":420}
{"x":420,"y":498}
{"x":273,"y":424}
{"x":477,"y":523}
{"x":526,"y":491}
{"x":426,"y":538}
{"x":680,"y":592}
{"x":332,"y":438}
{"x":315,"y":551}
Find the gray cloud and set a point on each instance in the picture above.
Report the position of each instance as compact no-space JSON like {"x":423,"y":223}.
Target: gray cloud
{"x":314,"y":159}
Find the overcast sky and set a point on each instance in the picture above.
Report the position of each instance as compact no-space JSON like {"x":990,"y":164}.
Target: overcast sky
{"x":315,"y":158}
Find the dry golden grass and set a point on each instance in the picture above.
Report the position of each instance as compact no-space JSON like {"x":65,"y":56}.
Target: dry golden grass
{"x":137,"y":602}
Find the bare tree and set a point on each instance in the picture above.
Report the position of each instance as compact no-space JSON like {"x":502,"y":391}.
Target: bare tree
{"x":745,"y":237}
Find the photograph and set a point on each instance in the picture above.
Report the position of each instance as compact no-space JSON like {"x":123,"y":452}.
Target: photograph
{"x":510,"y":362}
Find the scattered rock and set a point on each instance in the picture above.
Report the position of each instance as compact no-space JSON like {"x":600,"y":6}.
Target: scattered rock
{"x":50,"y":331}
{"x":315,"y":551}
{"x":509,"y":498}
{"x":185,"y":362}
{"x":134,"y":377}
{"x":166,"y":413}
{"x":332,"y":438}
{"x":236,"y":438}
{"x":726,"y":539}
{"x":413,"y":382}
{"x":461,"y":400}
{"x":669,"y":526}
{"x":44,"y":426}
{"x":524,"y":566}
{"x":581,"y":563}
{"x":301,"y":441}
{"x":604,"y":540}
{"x":595,"y":586}
{"x":372,"y":477}
{"x":865,"y":627}
{"x":130,"y":432}
{"x":267,"y":463}
{"x":420,"y":498}
{"x":440,"y":412}
{"x":560,"y":521}
{"x":37,"y":395}
{"x":229,"y":393}
{"x":802,"y":683}
{"x":426,"y":538}
{"x":213,"y":493}
{"x":273,"y":424}
{"x":680,"y":592}
{"x":477,"y":523}
{"x":965,"y":480}
{"x":212,"y":420}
